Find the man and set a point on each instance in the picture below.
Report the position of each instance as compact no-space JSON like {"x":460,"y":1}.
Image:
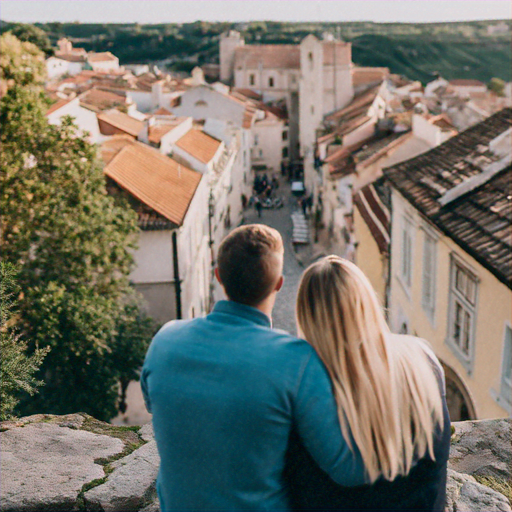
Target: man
{"x":226,"y":390}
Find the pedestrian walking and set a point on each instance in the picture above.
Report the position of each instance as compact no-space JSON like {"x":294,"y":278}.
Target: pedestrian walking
{"x":257,"y":205}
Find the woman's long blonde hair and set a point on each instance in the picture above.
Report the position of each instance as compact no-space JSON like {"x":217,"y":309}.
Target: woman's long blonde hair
{"x":385,"y":387}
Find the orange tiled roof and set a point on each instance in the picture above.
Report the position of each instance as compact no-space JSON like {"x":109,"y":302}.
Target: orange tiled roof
{"x":122,"y":121}
{"x":72,"y":57}
{"x":199,"y":145}
{"x":99,"y":100}
{"x":101,"y":57}
{"x":465,"y":82}
{"x":57,"y":105}
{"x":362,"y":76}
{"x":269,"y":56}
{"x":156,"y":180}
{"x":162,"y":111}
{"x":156,"y":132}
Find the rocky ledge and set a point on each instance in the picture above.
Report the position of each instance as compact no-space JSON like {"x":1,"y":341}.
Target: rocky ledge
{"x":74,"y":462}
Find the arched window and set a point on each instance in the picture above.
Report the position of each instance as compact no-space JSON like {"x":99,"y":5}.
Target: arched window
{"x":271,"y":81}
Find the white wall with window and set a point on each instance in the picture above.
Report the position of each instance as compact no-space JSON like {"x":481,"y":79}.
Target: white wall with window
{"x":462,"y":311}
{"x":472,"y":309}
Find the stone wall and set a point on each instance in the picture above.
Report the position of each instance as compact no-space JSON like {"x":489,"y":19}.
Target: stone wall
{"x":74,"y":462}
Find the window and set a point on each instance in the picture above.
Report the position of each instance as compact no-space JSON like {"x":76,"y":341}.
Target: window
{"x":285,"y":135}
{"x":406,"y":263}
{"x":261,"y":153}
{"x":271,"y":81}
{"x":285,"y":152}
{"x":463,"y":288}
{"x":256,"y":139}
{"x":506,"y":368}
{"x":201,"y":103}
{"x":429,"y":275}
{"x":251,"y":79}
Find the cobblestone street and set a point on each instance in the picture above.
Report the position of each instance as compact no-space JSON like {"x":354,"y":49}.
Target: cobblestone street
{"x":280,"y":219}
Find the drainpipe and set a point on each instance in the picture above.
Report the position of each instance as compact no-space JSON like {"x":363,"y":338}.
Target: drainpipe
{"x":177,"y":280}
{"x":387,"y":290}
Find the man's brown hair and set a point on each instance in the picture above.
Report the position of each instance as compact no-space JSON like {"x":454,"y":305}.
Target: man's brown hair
{"x":249,"y":263}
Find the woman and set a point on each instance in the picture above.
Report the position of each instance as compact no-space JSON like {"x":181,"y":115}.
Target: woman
{"x":390,"y":394}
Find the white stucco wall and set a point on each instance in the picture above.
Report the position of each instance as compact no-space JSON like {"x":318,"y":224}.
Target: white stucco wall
{"x":204,"y":102}
{"x":85,"y":119}
{"x":269,"y":135}
{"x":56,"y":67}
{"x":107,"y":65}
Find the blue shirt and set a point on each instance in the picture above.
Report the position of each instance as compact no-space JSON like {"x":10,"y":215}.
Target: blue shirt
{"x":225,"y":391}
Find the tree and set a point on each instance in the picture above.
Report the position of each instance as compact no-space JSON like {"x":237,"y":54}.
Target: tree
{"x":497,"y":85}
{"x":134,"y":331}
{"x":16,"y":368}
{"x":32,"y":34}
{"x":20,"y":62}
{"x":72,"y":243}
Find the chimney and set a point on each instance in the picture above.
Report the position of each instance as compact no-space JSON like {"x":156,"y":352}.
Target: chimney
{"x":157,"y":94}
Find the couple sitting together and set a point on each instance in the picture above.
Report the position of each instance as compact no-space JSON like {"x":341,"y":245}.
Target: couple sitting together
{"x":246,"y":417}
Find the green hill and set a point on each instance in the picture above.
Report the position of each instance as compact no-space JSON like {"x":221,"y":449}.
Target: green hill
{"x":418,"y":51}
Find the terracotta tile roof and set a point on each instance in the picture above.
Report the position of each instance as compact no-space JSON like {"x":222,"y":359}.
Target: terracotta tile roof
{"x":249,"y":93}
{"x":467,"y":83}
{"x":345,"y":128}
{"x":363,"y":76}
{"x":162,"y":112}
{"x":379,"y":145}
{"x":72,"y":57}
{"x":268,"y":56}
{"x":371,"y":204}
{"x":480,"y":220}
{"x":122,"y":121}
{"x":98,"y":100}
{"x":359,"y":104}
{"x":157,"y":131}
{"x":101,"y":57}
{"x":57,"y":105}
{"x":157,"y":181}
{"x":199,"y":145}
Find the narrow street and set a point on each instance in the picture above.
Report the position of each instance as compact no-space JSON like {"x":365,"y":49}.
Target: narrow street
{"x":280,"y":219}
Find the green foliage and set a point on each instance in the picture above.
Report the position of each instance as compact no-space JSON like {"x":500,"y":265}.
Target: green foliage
{"x":32,"y":34}
{"x":134,"y":332}
{"x":497,"y":85}
{"x":16,"y":368}
{"x":72,"y":243}
{"x":455,"y":50}
{"x":20,"y":62}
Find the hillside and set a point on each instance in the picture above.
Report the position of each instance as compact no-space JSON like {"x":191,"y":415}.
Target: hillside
{"x":479,"y":49}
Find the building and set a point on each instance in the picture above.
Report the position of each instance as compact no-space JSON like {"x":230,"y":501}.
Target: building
{"x":312,"y":79}
{"x":84,"y":118}
{"x":115,"y":122}
{"x":450,"y":273}
{"x":172,"y":261}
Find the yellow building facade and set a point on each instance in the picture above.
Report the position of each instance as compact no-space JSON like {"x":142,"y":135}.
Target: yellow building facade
{"x":469,"y":330}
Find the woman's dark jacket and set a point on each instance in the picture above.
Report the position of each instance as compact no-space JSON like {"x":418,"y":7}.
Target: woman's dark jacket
{"x":424,"y":488}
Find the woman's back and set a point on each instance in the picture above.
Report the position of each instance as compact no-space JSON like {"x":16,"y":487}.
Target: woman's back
{"x":423,"y":489}
{"x":390,"y":394}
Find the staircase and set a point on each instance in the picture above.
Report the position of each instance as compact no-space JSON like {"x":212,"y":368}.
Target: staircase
{"x":300,"y":233}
